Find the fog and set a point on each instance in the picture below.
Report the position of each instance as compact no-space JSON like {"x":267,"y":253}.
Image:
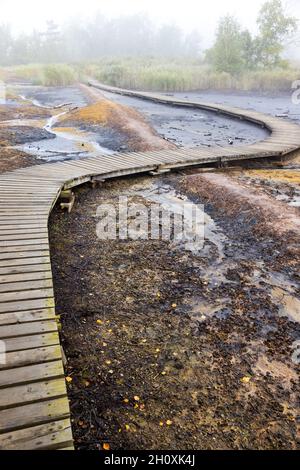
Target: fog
{"x":201,"y":15}
{"x":67,"y":30}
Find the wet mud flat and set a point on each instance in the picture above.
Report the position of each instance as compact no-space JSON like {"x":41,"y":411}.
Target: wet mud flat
{"x":192,"y":127}
{"x":172,"y":348}
{"x":19,"y":124}
{"x":61,"y":123}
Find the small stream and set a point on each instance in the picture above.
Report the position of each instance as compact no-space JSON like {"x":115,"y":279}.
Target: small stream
{"x":67,"y":143}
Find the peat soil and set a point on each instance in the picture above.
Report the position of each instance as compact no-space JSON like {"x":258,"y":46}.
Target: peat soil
{"x":170,"y":347}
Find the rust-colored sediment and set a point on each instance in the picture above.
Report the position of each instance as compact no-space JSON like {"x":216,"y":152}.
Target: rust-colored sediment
{"x":232,"y":196}
{"x":125,"y":120}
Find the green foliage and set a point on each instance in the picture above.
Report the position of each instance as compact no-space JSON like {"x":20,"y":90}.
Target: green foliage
{"x":226,"y":54}
{"x":235,"y":50}
{"x":274,"y":28}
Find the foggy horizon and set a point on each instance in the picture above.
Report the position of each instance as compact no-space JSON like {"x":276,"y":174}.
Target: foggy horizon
{"x":192,"y":15}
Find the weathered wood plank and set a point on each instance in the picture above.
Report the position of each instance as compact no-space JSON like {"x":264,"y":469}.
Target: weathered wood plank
{"x":32,"y":373}
{"x":25,"y":268}
{"x":27,"y":276}
{"x":31,"y":356}
{"x":14,"y":318}
{"x":23,"y":236}
{"x":33,"y":241}
{"x":32,"y":252}
{"x":23,"y":305}
{"x":53,"y":435}
{"x":33,"y":414}
{"x":25,"y":285}
{"x":26,"y":295}
{"x":25,"y":261}
{"x":31,"y":328}
{"x":21,"y":343}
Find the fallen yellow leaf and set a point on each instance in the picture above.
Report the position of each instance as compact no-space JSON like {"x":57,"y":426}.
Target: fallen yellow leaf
{"x":69,"y":379}
{"x":161,"y":423}
{"x":174,"y":305}
{"x":127,"y":427}
{"x":125,"y":400}
{"x":99,"y":322}
{"x":136,"y":398}
{"x":168,"y":422}
{"x":106,"y":446}
{"x":245,"y":380}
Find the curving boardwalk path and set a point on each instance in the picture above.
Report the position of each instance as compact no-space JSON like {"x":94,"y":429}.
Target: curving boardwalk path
{"x":34,"y":409}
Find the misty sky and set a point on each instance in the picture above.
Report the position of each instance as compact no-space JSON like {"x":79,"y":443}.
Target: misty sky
{"x":189,"y":14}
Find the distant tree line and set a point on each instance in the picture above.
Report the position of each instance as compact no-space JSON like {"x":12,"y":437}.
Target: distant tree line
{"x":236,"y":49}
{"x":100,"y":37}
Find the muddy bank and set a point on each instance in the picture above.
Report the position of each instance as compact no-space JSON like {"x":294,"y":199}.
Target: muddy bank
{"x":192,"y":127}
{"x":172,"y":348}
{"x":12,"y":159}
{"x":81,"y":123}
{"x":126,"y":126}
{"x":17,"y":135}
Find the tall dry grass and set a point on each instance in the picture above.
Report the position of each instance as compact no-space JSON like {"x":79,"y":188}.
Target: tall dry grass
{"x":156,"y":75}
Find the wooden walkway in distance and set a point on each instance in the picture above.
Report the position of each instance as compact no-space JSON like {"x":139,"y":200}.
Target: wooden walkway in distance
{"x":34,"y":408}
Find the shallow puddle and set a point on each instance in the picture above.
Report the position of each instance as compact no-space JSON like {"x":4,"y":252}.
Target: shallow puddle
{"x":67,"y":143}
{"x":172,"y":201}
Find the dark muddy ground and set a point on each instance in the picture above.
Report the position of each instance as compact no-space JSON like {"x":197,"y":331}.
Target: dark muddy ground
{"x":192,"y":128}
{"x":183,"y":127}
{"x":174,"y":349}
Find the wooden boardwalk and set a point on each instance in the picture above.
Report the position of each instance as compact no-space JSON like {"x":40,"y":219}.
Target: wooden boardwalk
{"x":34,"y":409}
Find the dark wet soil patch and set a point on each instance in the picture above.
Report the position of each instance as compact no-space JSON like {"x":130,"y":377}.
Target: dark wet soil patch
{"x":22,"y":111}
{"x":12,"y":159}
{"x":148,"y":367}
{"x":18,"y":135}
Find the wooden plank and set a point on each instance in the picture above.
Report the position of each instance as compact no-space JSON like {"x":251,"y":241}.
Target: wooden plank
{"x":33,"y":414}
{"x":26,"y":226}
{"x":24,"y":253}
{"x":23,"y":305}
{"x":26,"y":295}
{"x":32,"y":373}
{"x":21,"y":343}
{"x":18,"y":232}
{"x":29,"y":357}
{"x":25,"y":261}
{"x":26,"y":276}
{"x":25,"y":285}
{"x":14,"y":318}
{"x":21,"y":235}
{"x":21,"y":221}
{"x":33,"y":241}
{"x":27,"y":268}
{"x":53,"y":435}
